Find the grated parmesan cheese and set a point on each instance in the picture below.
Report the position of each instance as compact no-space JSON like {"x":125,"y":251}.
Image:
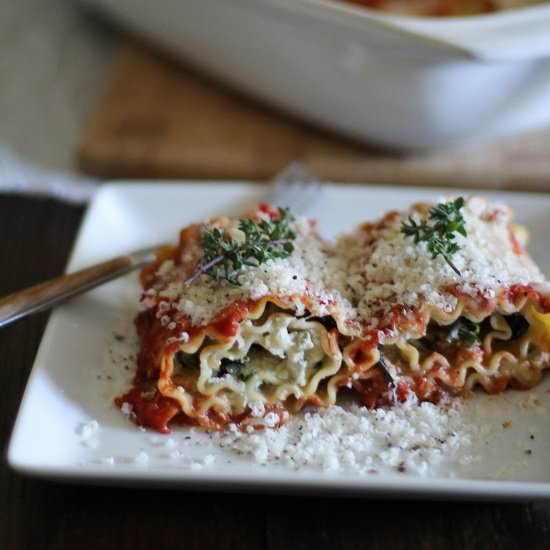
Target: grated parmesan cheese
{"x":208,"y":460}
{"x":257,"y":409}
{"x":142,"y":458}
{"x":126,"y":409}
{"x":302,"y":274}
{"x":407,"y":438}
{"x":361,"y":275}
{"x":170,"y":443}
{"x":383,"y":266}
{"x":88,"y":430}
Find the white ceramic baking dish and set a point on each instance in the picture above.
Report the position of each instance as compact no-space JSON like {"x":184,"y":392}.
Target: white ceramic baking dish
{"x":404,"y":82}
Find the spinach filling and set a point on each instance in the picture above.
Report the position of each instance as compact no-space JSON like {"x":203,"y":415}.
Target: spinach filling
{"x":469,"y":333}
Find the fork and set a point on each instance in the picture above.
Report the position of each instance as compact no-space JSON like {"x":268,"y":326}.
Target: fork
{"x":294,"y":187}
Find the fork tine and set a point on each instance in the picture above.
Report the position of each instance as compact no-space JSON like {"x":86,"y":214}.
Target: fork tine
{"x":295,"y":187}
{"x":309,"y":194}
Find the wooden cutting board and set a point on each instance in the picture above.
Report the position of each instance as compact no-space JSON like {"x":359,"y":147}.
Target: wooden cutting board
{"x":161,"y":119}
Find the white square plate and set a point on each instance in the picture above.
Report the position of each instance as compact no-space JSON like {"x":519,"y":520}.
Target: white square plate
{"x":69,"y":386}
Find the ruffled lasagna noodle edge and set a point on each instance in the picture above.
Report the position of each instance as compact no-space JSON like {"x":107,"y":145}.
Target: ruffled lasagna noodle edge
{"x":198,"y":337}
{"x":530,"y":301}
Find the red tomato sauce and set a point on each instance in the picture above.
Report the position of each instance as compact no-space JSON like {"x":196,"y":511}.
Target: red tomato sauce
{"x":151,"y":412}
{"x":227,"y":321}
{"x":377,"y":392}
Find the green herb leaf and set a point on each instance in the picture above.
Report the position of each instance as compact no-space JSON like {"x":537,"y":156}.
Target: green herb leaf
{"x":466,"y":331}
{"x":224,"y":258}
{"x":445,"y":220}
{"x":239,"y":369}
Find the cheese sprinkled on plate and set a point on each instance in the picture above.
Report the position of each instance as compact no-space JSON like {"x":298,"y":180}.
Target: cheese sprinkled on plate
{"x":408,"y":438}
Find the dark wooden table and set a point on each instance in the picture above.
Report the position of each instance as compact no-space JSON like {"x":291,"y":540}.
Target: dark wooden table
{"x":36,"y":236}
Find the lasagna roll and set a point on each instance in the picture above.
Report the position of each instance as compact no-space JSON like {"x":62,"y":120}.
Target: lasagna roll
{"x":221,"y":347}
{"x":442,"y":317}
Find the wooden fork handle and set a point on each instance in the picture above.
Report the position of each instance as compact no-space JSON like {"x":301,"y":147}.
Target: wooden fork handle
{"x":45,"y":295}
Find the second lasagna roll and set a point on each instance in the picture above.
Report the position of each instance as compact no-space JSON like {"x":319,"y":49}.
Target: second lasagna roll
{"x":449,"y":300}
{"x":244,"y":347}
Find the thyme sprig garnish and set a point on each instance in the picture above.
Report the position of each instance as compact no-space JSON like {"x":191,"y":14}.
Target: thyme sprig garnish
{"x":264,"y":240}
{"x":445,"y":220}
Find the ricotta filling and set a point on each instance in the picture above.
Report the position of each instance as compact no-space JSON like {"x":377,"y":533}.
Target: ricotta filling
{"x":265,"y":363}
